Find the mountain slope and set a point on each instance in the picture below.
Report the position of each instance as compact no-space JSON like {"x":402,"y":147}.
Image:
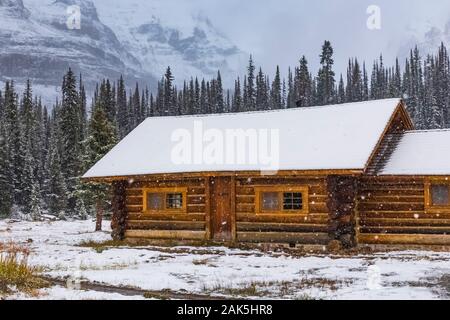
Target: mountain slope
{"x":160,"y":34}
{"x":136,"y":38}
{"x":427,"y":43}
{"x":37,"y":44}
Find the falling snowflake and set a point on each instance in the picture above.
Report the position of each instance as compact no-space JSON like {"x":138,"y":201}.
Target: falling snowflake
{"x":416,"y":216}
{"x":130,"y":181}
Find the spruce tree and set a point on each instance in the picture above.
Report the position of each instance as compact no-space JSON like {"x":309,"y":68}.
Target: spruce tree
{"x":303,"y":83}
{"x":325,"y":78}
{"x":250,"y":92}
{"x":101,"y":139}
{"x":275,"y":93}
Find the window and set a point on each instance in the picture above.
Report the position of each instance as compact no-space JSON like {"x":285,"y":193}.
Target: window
{"x":292,"y":201}
{"x":171,"y":200}
{"x":155,"y":201}
{"x":437,"y":195}
{"x":174,"y":201}
{"x":270,"y":201}
{"x":281,"y":200}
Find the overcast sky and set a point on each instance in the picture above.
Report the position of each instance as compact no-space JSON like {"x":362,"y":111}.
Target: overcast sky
{"x":280,"y":31}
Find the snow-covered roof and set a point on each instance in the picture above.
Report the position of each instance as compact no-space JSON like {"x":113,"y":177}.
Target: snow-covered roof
{"x":336,"y":137}
{"x":421,"y":153}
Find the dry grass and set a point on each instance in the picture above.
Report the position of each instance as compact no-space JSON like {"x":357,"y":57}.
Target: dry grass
{"x":15,"y":273}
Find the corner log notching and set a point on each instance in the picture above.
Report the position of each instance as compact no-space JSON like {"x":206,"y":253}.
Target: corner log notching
{"x":342,"y":194}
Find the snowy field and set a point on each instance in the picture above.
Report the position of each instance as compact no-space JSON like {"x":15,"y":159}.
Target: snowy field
{"x":183,"y":272}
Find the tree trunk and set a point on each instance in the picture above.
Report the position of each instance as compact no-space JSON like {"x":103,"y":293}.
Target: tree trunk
{"x":119,"y":218}
{"x":99,"y":210}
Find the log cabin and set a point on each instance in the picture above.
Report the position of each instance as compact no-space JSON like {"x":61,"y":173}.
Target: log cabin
{"x":356,"y":173}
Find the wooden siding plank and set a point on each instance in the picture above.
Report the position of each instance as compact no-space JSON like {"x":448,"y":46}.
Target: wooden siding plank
{"x":407,"y":239}
{"x":166,"y":234}
{"x":284,"y":237}
{"x":166,"y":217}
{"x":245,"y":217}
{"x":281,"y":227}
{"x":165,"y":225}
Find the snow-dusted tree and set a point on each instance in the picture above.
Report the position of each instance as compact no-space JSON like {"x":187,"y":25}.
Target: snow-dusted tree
{"x":303,"y":83}
{"x":6,"y":188}
{"x":250,"y":90}
{"x":57,"y":190}
{"x":325,"y":78}
{"x":262,"y":100}
{"x":101,"y":138}
{"x":275,"y":93}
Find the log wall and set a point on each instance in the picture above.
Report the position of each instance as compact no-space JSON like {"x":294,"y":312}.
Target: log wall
{"x":310,"y":228}
{"x":191,"y":225}
{"x":391,"y":210}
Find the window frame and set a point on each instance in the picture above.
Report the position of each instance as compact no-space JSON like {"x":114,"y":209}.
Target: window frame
{"x":165,"y":192}
{"x":259,"y":190}
{"x":429,"y":183}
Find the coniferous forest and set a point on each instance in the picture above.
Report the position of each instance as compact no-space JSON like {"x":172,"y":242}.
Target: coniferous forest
{"x":45,"y":149}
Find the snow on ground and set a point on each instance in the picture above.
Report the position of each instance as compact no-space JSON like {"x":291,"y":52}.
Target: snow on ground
{"x":223,"y":271}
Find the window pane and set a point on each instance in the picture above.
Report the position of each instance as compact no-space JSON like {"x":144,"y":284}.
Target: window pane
{"x":155,"y":201}
{"x":292,"y":201}
{"x":440,"y":195}
{"x":174,"y":201}
{"x":270,"y":201}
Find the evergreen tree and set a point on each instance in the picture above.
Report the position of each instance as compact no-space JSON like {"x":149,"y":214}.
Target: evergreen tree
{"x":303,"y":84}
{"x":237,"y":98}
{"x":325,"y":78}
{"x":122,"y":109}
{"x":250,"y":90}
{"x":57,"y":189}
{"x":102,"y":138}
{"x":70,"y":127}
{"x":275,"y":94}
{"x":6,"y":187}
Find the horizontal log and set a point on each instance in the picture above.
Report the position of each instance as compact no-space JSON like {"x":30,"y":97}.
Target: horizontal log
{"x":135,"y":208}
{"x":167,"y":217}
{"x":196,"y":200}
{"x":166,"y":234}
{"x":165,"y":225}
{"x":392,"y":179}
{"x":392,"y":198}
{"x":393,"y":189}
{"x":134,"y":192}
{"x":196,"y":208}
{"x":402,"y":215}
{"x":248,"y":207}
{"x":243,"y":191}
{"x":391,"y":206}
{"x":281,"y":180}
{"x":369,"y":222}
{"x":134,"y":200}
{"x":284,"y":237}
{"x":245,"y":200}
{"x":401,"y":192}
{"x":163,"y":183}
{"x":248,"y":217}
{"x":281,"y":227}
{"x":416,"y":239}
{"x":317,"y":207}
{"x":405,"y":230}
